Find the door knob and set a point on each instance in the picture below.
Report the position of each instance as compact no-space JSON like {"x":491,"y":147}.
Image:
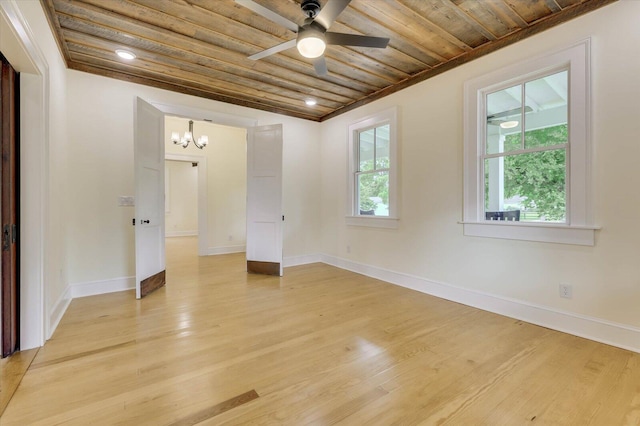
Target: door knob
{"x":145,"y":221}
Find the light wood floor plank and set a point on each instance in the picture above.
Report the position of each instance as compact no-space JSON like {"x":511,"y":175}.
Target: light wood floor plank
{"x":218,"y":346}
{"x":12,"y":370}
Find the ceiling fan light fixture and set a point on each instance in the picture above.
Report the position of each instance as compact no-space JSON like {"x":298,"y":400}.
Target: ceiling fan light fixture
{"x":509,"y":124}
{"x":311,"y":43}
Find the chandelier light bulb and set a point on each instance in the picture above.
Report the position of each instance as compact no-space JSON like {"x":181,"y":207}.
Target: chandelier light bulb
{"x":188,"y":137}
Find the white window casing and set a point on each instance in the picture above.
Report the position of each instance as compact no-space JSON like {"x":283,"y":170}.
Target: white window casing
{"x":388,"y":116}
{"x":579,"y":227}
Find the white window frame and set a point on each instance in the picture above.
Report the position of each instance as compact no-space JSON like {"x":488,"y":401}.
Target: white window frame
{"x":389,"y":116}
{"x":579,"y":228}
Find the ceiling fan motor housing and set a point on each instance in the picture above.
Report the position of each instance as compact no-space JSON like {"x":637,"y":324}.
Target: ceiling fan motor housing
{"x":310,"y":8}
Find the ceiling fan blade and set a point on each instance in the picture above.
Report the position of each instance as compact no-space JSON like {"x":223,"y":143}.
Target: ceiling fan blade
{"x":356,"y":40}
{"x":330,"y":12}
{"x":320,"y":64}
{"x":275,"y":49}
{"x":270,"y":15}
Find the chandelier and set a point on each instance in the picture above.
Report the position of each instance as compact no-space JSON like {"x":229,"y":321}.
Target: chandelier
{"x":200,"y":142}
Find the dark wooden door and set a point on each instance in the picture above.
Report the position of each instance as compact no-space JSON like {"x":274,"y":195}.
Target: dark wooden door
{"x":9,"y":86}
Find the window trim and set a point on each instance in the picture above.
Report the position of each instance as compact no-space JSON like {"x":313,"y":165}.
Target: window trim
{"x":579,"y":228}
{"x":353,"y":217}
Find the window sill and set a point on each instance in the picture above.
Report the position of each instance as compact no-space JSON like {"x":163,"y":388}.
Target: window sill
{"x":548,"y":233}
{"x":373,"y":221}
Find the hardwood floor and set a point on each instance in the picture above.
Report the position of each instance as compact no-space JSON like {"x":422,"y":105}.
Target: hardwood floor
{"x":12,"y":370}
{"x":319,"y":346}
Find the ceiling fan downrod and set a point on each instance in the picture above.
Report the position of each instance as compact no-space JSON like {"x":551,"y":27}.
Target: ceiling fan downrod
{"x":310,"y":8}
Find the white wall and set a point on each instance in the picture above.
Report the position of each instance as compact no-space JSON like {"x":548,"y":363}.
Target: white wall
{"x":100,"y":236}
{"x":44,"y":149}
{"x":181,"y":198}
{"x":429,"y":244}
{"x":226,"y":183}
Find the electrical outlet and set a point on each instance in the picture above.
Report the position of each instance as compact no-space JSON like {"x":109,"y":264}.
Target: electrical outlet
{"x":566,"y":291}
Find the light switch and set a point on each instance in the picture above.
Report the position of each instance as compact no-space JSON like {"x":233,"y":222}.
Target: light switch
{"x":126,"y":200}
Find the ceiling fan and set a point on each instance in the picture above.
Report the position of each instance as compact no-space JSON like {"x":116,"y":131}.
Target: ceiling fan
{"x":313,"y":36}
{"x":502,"y":118}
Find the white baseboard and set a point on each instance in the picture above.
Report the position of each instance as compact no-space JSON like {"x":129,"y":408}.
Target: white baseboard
{"x":93,"y":288}
{"x":58,"y":310}
{"x":608,"y":332}
{"x":225,"y":250}
{"x":169,"y":234}
{"x":301,"y":260}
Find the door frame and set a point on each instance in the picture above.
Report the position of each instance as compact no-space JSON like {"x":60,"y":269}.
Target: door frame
{"x":10,"y":206}
{"x":38,"y":314}
{"x":213,"y":117}
{"x":203,"y":210}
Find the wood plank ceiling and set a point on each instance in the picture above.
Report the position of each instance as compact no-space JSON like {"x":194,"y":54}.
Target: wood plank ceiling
{"x":200,"y":47}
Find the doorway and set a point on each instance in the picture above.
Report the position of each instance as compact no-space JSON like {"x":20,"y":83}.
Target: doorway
{"x":221,"y":187}
{"x":150,"y":252}
{"x":180,"y":198}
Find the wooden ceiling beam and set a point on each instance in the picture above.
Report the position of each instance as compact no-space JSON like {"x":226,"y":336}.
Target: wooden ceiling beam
{"x":551,"y":21}
{"x":217,"y":80}
{"x":137,"y":31}
{"x":160,"y":79}
{"x":205,"y":65}
{"x":468,"y":20}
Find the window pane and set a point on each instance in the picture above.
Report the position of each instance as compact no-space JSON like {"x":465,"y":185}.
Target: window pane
{"x":546,"y":99}
{"x":365,"y":147}
{"x":504,"y":117}
{"x":373,"y":189}
{"x":532,"y":183}
{"x":382,"y":147}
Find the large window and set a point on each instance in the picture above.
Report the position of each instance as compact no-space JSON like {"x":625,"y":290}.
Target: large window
{"x":372,"y":181}
{"x":527,"y":151}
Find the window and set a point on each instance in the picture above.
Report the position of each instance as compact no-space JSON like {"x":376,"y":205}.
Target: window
{"x":372,"y":177}
{"x":527,"y":151}
{"x":525,"y":146}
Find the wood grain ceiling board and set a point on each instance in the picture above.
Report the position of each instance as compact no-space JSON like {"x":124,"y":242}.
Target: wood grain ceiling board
{"x":200,"y":47}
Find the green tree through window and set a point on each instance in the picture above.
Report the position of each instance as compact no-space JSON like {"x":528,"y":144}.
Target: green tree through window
{"x":373,"y":171}
{"x":538,"y":177}
{"x":374,"y":185}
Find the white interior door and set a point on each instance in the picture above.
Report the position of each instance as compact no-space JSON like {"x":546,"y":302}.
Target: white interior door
{"x":264,"y":199}
{"x":149,"y":198}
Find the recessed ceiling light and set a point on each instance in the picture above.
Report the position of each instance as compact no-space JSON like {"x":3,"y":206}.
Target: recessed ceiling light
{"x":310,"y":102}
{"x":125,"y":54}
